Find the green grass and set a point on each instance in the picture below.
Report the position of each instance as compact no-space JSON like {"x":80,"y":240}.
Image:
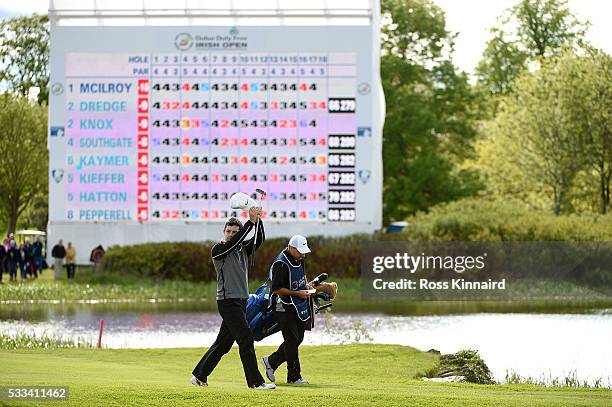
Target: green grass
{"x":105,"y":287}
{"x":570,"y":380}
{"x":90,"y":286}
{"x":35,"y":341}
{"x":355,"y":375}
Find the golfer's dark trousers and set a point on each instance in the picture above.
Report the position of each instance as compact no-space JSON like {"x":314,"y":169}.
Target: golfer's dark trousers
{"x":233,"y":328}
{"x":293,"y":335}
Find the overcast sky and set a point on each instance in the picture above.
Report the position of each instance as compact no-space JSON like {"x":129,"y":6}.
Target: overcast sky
{"x":472,"y":19}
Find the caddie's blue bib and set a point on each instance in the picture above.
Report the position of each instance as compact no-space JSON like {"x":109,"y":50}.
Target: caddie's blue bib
{"x":297,"y":281}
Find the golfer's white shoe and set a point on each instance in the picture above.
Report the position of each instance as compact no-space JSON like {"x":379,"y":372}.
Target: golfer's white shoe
{"x":197,"y":382}
{"x":268,"y":369}
{"x":265,"y":386}
{"x":299,"y":381}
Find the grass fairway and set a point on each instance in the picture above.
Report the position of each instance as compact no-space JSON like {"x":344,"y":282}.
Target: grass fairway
{"x":353,"y":375}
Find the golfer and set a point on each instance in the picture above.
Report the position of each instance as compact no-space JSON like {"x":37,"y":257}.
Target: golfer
{"x":230,"y":257}
{"x":290,"y":306}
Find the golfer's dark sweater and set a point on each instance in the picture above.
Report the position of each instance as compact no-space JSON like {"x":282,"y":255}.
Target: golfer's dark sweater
{"x":230,"y":261}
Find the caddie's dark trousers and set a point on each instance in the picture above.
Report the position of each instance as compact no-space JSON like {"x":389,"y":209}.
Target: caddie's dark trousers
{"x":233,"y":328}
{"x":293,"y":335}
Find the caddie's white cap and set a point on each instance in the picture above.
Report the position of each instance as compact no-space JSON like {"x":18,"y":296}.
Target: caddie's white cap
{"x":300,"y":243}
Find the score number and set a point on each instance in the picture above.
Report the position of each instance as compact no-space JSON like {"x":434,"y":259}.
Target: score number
{"x":341,"y":105}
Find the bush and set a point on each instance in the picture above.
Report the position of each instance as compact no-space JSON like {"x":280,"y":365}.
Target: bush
{"x":470,"y":219}
{"x":185,"y":260}
{"x":466,"y":363}
{"x":340,"y":257}
{"x":479,"y":219}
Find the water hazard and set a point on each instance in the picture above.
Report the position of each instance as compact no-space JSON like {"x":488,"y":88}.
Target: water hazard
{"x":536,"y":345}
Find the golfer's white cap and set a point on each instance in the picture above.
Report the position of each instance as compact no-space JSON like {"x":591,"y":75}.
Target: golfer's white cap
{"x":300,"y":243}
{"x":242,"y":201}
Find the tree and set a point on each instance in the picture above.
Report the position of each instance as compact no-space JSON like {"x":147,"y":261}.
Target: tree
{"x":502,"y":61}
{"x":556,"y":125}
{"x":527,"y":32}
{"x":430,"y":119}
{"x":24,"y":165}
{"x":590,"y":107}
{"x":24,"y":55}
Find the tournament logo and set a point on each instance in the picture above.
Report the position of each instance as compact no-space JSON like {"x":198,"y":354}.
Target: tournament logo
{"x":233,"y":31}
{"x":58,"y":175}
{"x":364,"y":132}
{"x":364,"y":175}
{"x":363,"y":88}
{"x":57,"y":89}
{"x":183,"y":41}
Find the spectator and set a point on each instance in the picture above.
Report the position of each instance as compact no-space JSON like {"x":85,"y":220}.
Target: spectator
{"x":28,"y":252}
{"x":37,"y":253}
{"x":2,"y":258}
{"x":12,"y":260}
{"x":70,"y":260}
{"x":7,"y":247}
{"x":58,"y":253}
{"x":25,"y":251}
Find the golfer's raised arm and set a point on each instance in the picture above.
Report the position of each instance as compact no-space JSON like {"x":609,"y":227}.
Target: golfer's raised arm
{"x":261,"y":237}
{"x":222,"y":249}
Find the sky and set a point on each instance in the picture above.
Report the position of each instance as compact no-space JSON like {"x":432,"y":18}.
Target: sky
{"x":472,"y":19}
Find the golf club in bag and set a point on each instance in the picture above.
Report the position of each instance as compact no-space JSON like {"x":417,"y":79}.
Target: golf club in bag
{"x":259,"y":309}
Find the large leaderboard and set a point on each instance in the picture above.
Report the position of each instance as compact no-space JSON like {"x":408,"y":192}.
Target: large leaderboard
{"x":167,"y":137}
{"x":152,"y":129}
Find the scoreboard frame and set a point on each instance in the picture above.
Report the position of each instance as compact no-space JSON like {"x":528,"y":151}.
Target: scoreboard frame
{"x":366,"y":142}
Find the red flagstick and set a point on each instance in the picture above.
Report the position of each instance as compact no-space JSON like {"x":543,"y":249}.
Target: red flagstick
{"x":100,"y":337}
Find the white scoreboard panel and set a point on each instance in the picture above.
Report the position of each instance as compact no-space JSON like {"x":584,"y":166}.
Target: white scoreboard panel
{"x":153,"y":128}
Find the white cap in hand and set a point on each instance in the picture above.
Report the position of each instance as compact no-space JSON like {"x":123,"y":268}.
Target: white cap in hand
{"x":242,"y":201}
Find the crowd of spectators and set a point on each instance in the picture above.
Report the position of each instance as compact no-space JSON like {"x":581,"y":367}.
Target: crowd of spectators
{"x":26,"y":261}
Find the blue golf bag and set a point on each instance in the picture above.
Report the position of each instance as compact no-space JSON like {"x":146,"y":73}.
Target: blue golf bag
{"x":259,"y":310}
{"x":259,"y":314}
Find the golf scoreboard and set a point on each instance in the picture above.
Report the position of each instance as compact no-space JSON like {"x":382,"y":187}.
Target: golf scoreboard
{"x":161,"y":125}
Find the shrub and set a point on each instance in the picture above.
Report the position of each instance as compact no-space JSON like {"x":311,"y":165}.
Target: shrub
{"x":340,"y":257}
{"x":475,"y":219}
{"x":470,"y":219}
{"x":466,"y":363}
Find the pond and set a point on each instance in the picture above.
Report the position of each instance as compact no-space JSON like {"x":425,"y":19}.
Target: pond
{"x":536,"y":345}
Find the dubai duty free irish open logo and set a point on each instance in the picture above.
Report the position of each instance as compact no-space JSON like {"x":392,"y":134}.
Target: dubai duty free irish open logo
{"x":183,"y":41}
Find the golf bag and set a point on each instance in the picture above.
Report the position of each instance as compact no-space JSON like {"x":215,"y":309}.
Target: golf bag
{"x":259,"y":313}
{"x":259,"y":310}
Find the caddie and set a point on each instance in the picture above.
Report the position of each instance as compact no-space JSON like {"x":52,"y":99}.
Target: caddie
{"x":290,"y":305}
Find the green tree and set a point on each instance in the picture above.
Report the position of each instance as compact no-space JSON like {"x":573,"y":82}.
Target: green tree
{"x":526,"y":33}
{"x":2,"y":224}
{"x":24,"y":164}
{"x":503,"y":60}
{"x":589,"y":79}
{"x":431,"y":114}
{"x":24,"y":55}
{"x":554,"y":127}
